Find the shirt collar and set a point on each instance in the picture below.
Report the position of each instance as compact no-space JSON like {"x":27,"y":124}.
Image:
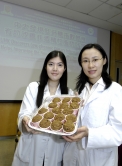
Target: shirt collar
{"x":46,"y":89}
{"x":100,"y":82}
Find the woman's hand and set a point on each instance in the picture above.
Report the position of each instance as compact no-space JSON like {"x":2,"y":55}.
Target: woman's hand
{"x":25,"y":122}
{"x":81,"y":133}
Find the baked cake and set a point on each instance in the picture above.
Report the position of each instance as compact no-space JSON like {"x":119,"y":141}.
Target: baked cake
{"x":74,"y":105}
{"x":45,"y":123}
{"x":56,"y":110}
{"x":36,"y":118}
{"x":66,"y":99}
{"x":52,"y":105}
{"x":68,"y":126}
{"x":56,"y":125}
{"x":76,"y":99}
{"x":42,"y":110}
{"x":71,"y":117}
{"x":67,"y":111}
{"x":56,"y":100}
{"x":48,"y":115}
{"x":59,"y":117}
{"x":64,"y":105}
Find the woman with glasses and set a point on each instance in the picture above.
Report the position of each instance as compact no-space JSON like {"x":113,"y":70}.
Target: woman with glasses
{"x":40,"y":148}
{"x":100,"y":128}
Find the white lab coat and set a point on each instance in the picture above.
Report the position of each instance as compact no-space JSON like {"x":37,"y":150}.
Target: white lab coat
{"x":33,"y":148}
{"x":102,"y":114}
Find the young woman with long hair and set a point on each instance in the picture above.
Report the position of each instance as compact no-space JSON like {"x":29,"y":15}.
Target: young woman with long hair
{"x":96,"y":141}
{"x":41,"y":148}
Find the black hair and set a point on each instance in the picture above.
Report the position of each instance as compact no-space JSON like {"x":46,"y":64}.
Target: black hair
{"x":44,"y":77}
{"x":82,"y":78}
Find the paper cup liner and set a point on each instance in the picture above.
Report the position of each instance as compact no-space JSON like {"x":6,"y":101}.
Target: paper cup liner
{"x":51,"y":119}
{"x":63,"y":121}
{"x":46,"y":128}
{"x":60,"y":130}
{"x":75,"y":111}
{"x":43,"y":114}
{"x":67,"y":132}
{"x":35,"y":124}
{"x":58,"y":103}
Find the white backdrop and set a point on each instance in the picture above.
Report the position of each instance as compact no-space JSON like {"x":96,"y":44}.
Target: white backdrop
{"x":27,"y":36}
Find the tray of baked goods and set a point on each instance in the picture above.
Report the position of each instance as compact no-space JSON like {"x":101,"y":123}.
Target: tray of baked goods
{"x":57,"y":115}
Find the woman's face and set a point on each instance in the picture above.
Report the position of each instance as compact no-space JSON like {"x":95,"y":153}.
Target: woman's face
{"x":55,"y":69}
{"x":92,"y":63}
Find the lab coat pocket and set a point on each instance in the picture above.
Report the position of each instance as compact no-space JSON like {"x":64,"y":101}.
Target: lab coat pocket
{"x":24,"y":148}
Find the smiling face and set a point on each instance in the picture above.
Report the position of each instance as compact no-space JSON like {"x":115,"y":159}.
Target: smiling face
{"x":55,"y":69}
{"x":92,"y":63}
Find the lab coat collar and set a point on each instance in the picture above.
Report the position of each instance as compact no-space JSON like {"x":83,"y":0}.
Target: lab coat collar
{"x":46,"y":89}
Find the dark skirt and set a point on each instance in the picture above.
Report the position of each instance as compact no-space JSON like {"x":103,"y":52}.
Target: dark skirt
{"x":120,"y":155}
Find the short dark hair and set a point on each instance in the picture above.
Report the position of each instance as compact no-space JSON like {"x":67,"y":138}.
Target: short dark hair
{"x":44,"y":77}
{"x":82,"y":78}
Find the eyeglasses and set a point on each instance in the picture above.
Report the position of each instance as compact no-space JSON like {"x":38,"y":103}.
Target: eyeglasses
{"x":94,"y":61}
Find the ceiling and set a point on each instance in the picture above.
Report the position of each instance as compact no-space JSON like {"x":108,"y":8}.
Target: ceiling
{"x":106,"y":14}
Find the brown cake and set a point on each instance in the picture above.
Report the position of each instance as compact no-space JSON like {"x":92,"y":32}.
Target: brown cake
{"x":56,"y":100}
{"x":66,"y":99}
{"x":59,"y":117}
{"x":45,"y":123}
{"x":56,"y":125}
{"x":67,"y":111}
{"x":74,"y":105}
{"x":52,"y":105}
{"x":71,"y":117}
{"x":36,"y":118}
{"x":48,"y":115}
{"x":56,"y":110}
{"x":64,"y":105}
{"x":42,"y":110}
{"x":68,"y":126}
{"x":76,"y":99}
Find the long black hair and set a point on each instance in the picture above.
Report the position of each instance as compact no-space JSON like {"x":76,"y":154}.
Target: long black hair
{"x":44,"y":77}
{"x":82,"y":78}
